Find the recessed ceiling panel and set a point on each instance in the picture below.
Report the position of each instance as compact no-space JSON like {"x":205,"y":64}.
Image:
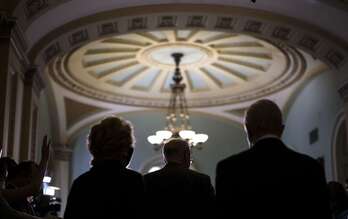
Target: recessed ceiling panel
{"x":217,"y":67}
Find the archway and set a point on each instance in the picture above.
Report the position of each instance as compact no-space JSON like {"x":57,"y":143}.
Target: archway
{"x":340,"y":151}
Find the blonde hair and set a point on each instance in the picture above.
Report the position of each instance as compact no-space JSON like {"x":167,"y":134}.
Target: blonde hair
{"x":112,"y":136}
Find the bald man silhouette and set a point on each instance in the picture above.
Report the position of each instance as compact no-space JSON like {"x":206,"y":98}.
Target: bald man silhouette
{"x":270,"y":180}
{"x":177,"y":191}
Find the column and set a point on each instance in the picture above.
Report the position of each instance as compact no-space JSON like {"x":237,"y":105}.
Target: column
{"x":25,"y":139}
{"x":60,"y":172}
{"x":6,"y":26}
{"x":12,"y":115}
{"x":343,"y":91}
{"x":341,"y":161}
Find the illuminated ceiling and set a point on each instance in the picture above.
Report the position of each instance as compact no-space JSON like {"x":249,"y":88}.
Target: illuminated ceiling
{"x":219,"y":67}
{"x":110,"y":64}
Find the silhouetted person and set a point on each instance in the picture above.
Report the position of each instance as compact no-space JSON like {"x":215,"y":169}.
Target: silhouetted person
{"x":338,"y":200}
{"x":22,"y":175}
{"x":175,"y":190}
{"x":7,"y":165}
{"x":270,"y":180}
{"x":108,"y":189}
{"x":7,"y":212}
{"x":25,"y":180}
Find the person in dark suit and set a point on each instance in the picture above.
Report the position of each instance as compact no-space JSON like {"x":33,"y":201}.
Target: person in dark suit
{"x":270,"y":180}
{"x":175,"y":190}
{"x":108,"y":189}
{"x":338,"y":200}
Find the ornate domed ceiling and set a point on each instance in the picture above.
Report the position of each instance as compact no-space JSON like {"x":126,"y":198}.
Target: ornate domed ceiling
{"x":218,"y":67}
{"x":119,"y":61}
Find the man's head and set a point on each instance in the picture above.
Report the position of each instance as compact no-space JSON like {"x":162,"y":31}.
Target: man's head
{"x":177,"y":151}
{"x":263,"y":118}
{"x":7,"y":165}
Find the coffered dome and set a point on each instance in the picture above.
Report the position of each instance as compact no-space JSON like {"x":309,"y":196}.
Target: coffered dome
{"x":218,"y":67}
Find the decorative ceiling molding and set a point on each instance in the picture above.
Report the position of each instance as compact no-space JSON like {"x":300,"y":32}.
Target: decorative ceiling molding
{"x":277,"y":28}
{"x":33,"y":9}
{"x":231,"y":112}
{"x":58,"y":50}
{"x":281,"y":68}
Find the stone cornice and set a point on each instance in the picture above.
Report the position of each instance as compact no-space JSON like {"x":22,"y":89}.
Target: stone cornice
{"x":11,"y":31}
{"x":29,"y":11}
{"x":274,"y":27}
{"x":32,"y":78}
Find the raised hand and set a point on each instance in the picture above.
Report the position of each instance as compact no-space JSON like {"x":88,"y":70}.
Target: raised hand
{"x":35,"y":184}
{"x":45,"y":155}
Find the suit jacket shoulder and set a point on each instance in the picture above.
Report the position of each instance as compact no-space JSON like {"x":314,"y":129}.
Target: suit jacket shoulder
{"x":80,"y":179}
{"x":198,"y":174}
{"x":132,"y":173}
{"x":229,"y":161}
{"x":164,"y":171}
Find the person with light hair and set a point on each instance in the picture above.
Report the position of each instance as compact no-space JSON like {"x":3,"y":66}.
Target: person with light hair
{"x":270,"y":180}
{"x":176,"y":189}
{"x":108,"y":189}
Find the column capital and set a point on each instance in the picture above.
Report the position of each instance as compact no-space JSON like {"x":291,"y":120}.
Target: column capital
{"x":62,"y":153}
{"x":28,"y":76}
{"x":32,"y":78}
{"x":6,"y":24}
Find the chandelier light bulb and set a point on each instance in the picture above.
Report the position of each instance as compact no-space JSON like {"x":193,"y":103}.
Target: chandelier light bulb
{"x":154,"y":139}
{"x":200,"y":138}
{"x":164,"y":134}
{"x":187,"y":134}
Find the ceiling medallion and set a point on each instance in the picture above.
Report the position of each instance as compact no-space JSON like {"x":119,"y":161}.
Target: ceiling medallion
{"x":194,"y":55}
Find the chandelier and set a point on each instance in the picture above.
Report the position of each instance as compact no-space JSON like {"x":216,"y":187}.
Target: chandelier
{"x":178,"y":118}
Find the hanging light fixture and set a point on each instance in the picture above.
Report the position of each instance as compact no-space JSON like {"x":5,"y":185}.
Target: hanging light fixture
{"x":178,"y":118}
